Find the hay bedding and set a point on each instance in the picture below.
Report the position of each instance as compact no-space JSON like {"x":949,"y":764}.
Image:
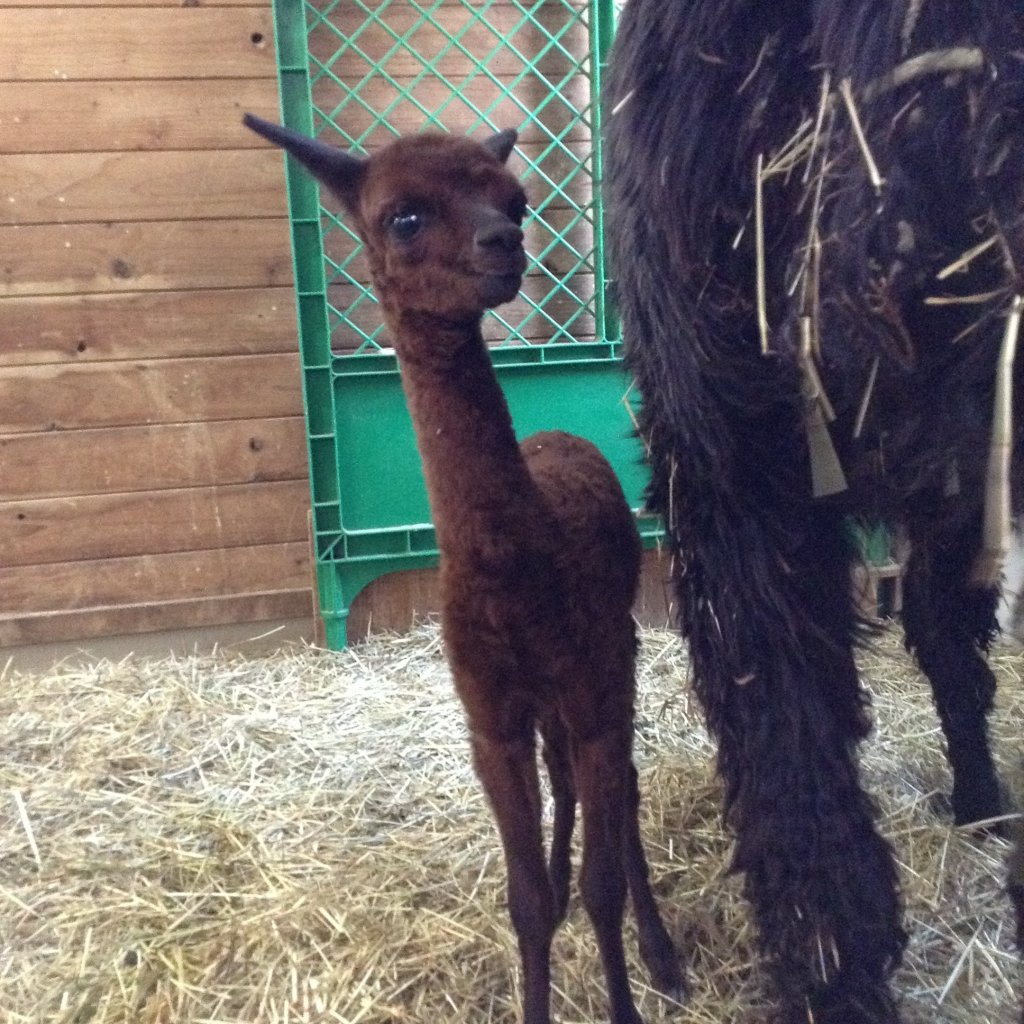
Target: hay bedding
{"x":300,"y":838}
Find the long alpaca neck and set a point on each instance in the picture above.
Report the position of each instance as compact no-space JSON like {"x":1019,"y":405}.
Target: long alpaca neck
{"x":477,"y":480}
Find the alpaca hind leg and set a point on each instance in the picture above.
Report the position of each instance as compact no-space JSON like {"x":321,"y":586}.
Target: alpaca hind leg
{"x":948,"y":625}
{"x":600,"y":764}
{"x":656,"y":947}
{"x":768,"y":607}
{"x":563,"y":791}
{"x":508,"y":772}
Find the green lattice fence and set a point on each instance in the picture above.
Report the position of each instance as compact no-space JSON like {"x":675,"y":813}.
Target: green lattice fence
{"x":378,"y":70}
{"x":355,"y":73}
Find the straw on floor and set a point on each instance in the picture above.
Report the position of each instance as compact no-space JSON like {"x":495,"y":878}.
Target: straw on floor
{"x":300,"y":838}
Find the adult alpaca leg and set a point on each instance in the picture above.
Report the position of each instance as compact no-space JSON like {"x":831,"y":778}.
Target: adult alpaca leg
{"x":1015,"y":884}
{"x":949,"y":625}
{"x":770,"y":620}
{"x":507,"y":770}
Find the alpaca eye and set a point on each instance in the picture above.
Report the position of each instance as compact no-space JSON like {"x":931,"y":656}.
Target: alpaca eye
{"x":405,"y":226}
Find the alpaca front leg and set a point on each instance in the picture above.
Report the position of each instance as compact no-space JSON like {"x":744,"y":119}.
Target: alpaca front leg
{"x":948,"y":625}
{"x":508,"y":772}
{"x":770,"y":620}
{"x":601,"y":766}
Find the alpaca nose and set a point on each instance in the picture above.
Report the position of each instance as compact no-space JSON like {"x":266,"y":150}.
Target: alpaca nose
{"x":499,"y":235}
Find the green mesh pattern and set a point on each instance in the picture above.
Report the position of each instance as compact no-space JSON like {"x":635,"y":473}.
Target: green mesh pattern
{"x":380,"y":69}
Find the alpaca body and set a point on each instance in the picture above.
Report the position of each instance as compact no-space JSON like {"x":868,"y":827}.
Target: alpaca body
{"x":536,"y":539}
{"x":540,"y":561}
{"x":540,"y":556}
{"x":699,"y":97}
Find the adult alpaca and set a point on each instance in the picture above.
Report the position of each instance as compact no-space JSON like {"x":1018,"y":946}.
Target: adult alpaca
{"x":816,"y":212}
{"x":540,"y":554}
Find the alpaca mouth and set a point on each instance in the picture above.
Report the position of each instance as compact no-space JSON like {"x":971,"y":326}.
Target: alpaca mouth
{"x":498,"y":286}
{"x":514,"y":265}
{"x":501,"y":275}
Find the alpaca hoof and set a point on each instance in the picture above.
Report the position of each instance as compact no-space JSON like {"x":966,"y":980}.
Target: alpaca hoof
{"x":843,"y":1004}
{"x":678,"y":995}
{"x":632,"y":1018}
{"x":672,"y":986}
{"x":800,"y":1013}
{"x":982,"y":810}
{"x":666,"y":973}
{"x":972,"y":811}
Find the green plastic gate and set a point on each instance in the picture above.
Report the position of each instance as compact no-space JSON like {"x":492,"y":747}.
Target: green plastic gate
{"x":355,"y":73}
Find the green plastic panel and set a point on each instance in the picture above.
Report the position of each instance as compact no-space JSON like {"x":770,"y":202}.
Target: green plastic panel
{"x":356,"y":73}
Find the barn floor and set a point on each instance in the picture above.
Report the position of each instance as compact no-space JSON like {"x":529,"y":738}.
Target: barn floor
{"x":300,"y":838}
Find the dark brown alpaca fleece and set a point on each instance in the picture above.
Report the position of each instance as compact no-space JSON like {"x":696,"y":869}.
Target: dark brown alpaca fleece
{"x":540,"y":554}
{"x":699,"y":96}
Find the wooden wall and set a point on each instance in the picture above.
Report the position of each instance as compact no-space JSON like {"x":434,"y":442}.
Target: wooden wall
{"x":152,"y":452}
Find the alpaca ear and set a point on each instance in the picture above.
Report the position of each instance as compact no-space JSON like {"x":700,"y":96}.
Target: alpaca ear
{"x":500,"y":145}
{"x":341,"y":172}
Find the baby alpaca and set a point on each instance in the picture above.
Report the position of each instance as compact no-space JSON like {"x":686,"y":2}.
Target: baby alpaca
{"x":540,"y":555}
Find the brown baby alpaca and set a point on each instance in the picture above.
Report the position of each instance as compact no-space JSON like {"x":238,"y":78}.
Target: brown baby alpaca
{"x":540,"y":556}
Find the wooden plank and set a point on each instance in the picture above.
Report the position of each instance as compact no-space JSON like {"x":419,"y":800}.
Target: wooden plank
{"x":46,"y":188}
{"x":37,"y":398}
{"x":65,"y":463}
{"x":397,"y":600}
{"x":147,"y":325}
{"x":63,"y":44}
{"x":129,"y":619}
{"x":204,"y":113}
{"x":73,"y":259}
{"x":44,"y":530}
{"x":151,"y":578}
{"x":319,"y":628}
{"x":193,"y":114}
{"x":394,"y":602}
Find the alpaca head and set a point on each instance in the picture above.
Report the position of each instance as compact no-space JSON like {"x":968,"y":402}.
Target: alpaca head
{"x":439,"y":215}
